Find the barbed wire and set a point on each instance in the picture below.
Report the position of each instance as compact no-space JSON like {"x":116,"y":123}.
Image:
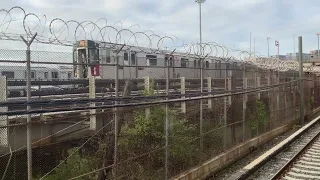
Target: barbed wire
{"x":67,"y":32}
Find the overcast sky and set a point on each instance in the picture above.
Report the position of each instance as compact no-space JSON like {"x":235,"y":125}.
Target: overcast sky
{"x":228,"y":22}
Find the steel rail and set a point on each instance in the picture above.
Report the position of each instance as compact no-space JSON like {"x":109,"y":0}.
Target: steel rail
{"x":283,"y":170}
{"x":89,"y":100}
{"x":40,"y":111}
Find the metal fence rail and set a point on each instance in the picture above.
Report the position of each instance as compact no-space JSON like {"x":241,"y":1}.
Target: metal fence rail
{"x":152,"y":128}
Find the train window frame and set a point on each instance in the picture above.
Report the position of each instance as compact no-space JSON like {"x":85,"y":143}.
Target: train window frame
{"x":93,"y":54}
{"x":69,"y":75}
{"x":219,"y":65}
{"x":207,"y":65}
{"x":152,"y":60}
{"x":108,"y":59}
{"x":3,"y":73}
{"x":166,"y":60}
{"x":33,"y":74}
{"x":46,"y":75}
{"x":133,"y":59}
{"x":125,"y":56}
{"x":171,"y":62}
{"x":184,"y":62}
{"x":54,"y":77}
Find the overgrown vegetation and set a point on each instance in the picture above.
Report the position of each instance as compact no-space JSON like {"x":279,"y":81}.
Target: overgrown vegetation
{"x":141,"y":142}
{"x":76,"y":165}
{"x":257,"y":114}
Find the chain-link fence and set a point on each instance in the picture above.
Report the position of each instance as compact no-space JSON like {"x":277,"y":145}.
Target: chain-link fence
{"x":138,"y":117}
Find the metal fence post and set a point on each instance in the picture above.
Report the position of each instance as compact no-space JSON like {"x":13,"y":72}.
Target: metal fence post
{"x":4,"y":141}
{"x":201,"y":105}
{"x":258,"y":86}
{"x":92,"y":95}
{"x":209,"y":82}
{"x":183,"y":92}
{"x":278,"y":98}
{"x":116,"y":115}
{"x":29,"y":135}
{"x":302,"y":103}
{"x":167,"y":124}
{"x":244,"y":105}
{"x":147,"y":88}
{"x":225,"y":111}
{"x":167,"y":121}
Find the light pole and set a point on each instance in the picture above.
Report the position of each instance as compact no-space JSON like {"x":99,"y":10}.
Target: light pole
{"x":277,"y":44}
{"x":201,"y":73}
{"x":318,"y":34}
{"x":200,"y":18}
{"x":268,"y":38}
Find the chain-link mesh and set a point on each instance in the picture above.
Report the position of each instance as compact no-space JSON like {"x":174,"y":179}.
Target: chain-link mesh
{"x":139,"y":117}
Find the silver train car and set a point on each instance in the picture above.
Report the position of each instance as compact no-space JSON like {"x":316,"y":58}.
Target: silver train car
{"x":37,"y":73}
{"x":99,"y":59}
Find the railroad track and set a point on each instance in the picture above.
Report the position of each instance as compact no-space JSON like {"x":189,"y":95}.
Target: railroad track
{"x":297,"y":157}
{"x":305,"y":164}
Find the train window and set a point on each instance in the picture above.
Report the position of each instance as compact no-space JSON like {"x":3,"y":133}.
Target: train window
{"x":171,"y":64}
{"x":54,"y":75}
{"x":8,"y":74}
{"x":170,"y":61}
{"x":108,"y":59}
{"x":152,"y":60}
{"x":219,"y":65}
{"x":33,"y":75}
{"x":93,"y":55}
{"x":199,"y":63}
{"x":125,"y":56}
{"x":184,"y":62}
{"x":69,"y":75}
{"x":207,"y":64}
{"x":133,"y":59}
{"x":195,"y":63}
{"x":215,"y":65}
{"x":46,"y":74}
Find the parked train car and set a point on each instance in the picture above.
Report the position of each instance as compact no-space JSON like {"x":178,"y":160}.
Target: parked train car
{"x":37,"y":73}
{"x":136,"y":62}
{"x":19,"y":73}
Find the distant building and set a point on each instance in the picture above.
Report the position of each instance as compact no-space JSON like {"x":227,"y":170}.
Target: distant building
{"x":295,"y":56}
{"x":281,"y":57}
{"x":314,"y":52}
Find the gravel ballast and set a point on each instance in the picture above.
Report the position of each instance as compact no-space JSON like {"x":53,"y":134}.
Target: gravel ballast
{"x":237,"y":166}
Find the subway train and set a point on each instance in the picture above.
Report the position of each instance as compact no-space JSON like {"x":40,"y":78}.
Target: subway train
{"x":98,"y":59}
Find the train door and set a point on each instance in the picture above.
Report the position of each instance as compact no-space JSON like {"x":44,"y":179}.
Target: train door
{"x":133,"y":65}
{"x":169,"y":61}
{"x":86,"y":59}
